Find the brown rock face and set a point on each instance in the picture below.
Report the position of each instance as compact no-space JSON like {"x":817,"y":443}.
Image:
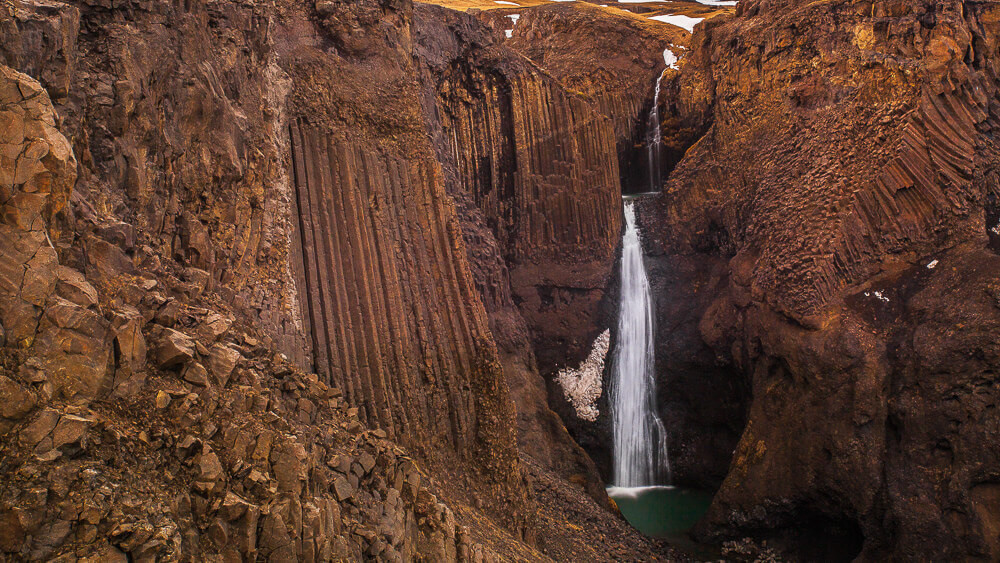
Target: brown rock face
{"x":201,"y":144}
{"x":540,"y":166}
{"x":844,"y":196}
{"x":388,"y":297}
{"x":613,"y":58}
{"x":534,"y":172}
{"x":37,"y":172}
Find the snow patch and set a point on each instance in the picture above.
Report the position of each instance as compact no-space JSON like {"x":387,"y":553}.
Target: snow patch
{"x":878,"y":295}
{"x":513,"y":19}
{"x":582,"y":386}
{"x":683,"y":22}
{"x":931,"y":264}
{"x":506,"y":2}
{"x":670,"y":58}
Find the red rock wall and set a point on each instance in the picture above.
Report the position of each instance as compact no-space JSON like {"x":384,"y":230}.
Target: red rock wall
{"x":541,"y":166}
{"x":612,"y":58}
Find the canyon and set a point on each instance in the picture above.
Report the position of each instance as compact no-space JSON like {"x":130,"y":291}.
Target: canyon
{"x":306,"y":280}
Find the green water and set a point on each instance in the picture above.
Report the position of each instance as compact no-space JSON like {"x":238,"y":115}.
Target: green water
{"x":662,"y":512}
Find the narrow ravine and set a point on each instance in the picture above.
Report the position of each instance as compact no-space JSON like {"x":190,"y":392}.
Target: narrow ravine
{"x":654,"y":140}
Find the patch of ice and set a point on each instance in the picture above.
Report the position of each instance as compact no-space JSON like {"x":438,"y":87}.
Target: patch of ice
{"x":683,"y":22}
{"x":931,"y":264}
{"x":670,"y":58}
{"x":582,"y":386}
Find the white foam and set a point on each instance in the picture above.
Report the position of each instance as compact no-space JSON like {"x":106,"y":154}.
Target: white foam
{"x":634,"y":492}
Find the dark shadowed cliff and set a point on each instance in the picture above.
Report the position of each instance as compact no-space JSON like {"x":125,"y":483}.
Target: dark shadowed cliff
{"x":835,"y":227}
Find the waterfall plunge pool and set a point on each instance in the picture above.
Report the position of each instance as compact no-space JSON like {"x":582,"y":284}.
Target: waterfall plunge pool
{"x":667,"y":513}
{"x":661,"y":511}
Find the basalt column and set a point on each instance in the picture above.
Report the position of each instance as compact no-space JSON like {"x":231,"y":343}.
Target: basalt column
{"x":538,"y":168}
{"x":557,"y":215}
{"x":394,"y":318}
{"x":846,"y":206}
{"x":532,"y":169}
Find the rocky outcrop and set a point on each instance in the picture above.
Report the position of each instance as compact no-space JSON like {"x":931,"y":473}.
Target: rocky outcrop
{"x":182,"y":257}
{"x":843,"y":195}
{"x":44,"y":307}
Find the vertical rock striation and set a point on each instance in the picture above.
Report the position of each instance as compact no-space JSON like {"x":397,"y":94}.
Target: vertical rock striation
{"x":613,"y":58}
{"x":540,"y":166}
{"x":224,"y":204}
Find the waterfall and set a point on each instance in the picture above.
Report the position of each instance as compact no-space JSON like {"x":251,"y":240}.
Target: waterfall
{"x":640,"y":439}
{"x":654,"y":139}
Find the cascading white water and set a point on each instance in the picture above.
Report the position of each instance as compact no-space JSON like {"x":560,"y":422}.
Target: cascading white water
{"x":654,"y":139}
{"x":640,"y":439}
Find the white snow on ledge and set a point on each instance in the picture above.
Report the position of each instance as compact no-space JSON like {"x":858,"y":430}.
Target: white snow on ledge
{"x":582,"y":386}
{"x":683,"y":22}
{"x":670,"y":58}
{"x":506,"y":2}
{"x":513,"y":18}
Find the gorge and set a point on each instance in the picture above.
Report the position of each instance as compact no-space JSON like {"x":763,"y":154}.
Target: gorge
{"x":344,"y":280}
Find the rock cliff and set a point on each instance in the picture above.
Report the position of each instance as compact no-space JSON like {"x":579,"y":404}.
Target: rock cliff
{"x":250,"y":307}
{"x":612,"y":57}
{"x":834,"y":225}
{"x":534,"y":169}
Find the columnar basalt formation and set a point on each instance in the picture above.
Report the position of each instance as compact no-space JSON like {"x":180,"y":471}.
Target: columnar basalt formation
{"x":390,"y":304}
{"x":178,"y":273}
{"x":243,"y":311}
{"x":533,"y":169}
{"x":610,"y":56}
{"x":844,"y":193}
{"x":394,"y":317}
